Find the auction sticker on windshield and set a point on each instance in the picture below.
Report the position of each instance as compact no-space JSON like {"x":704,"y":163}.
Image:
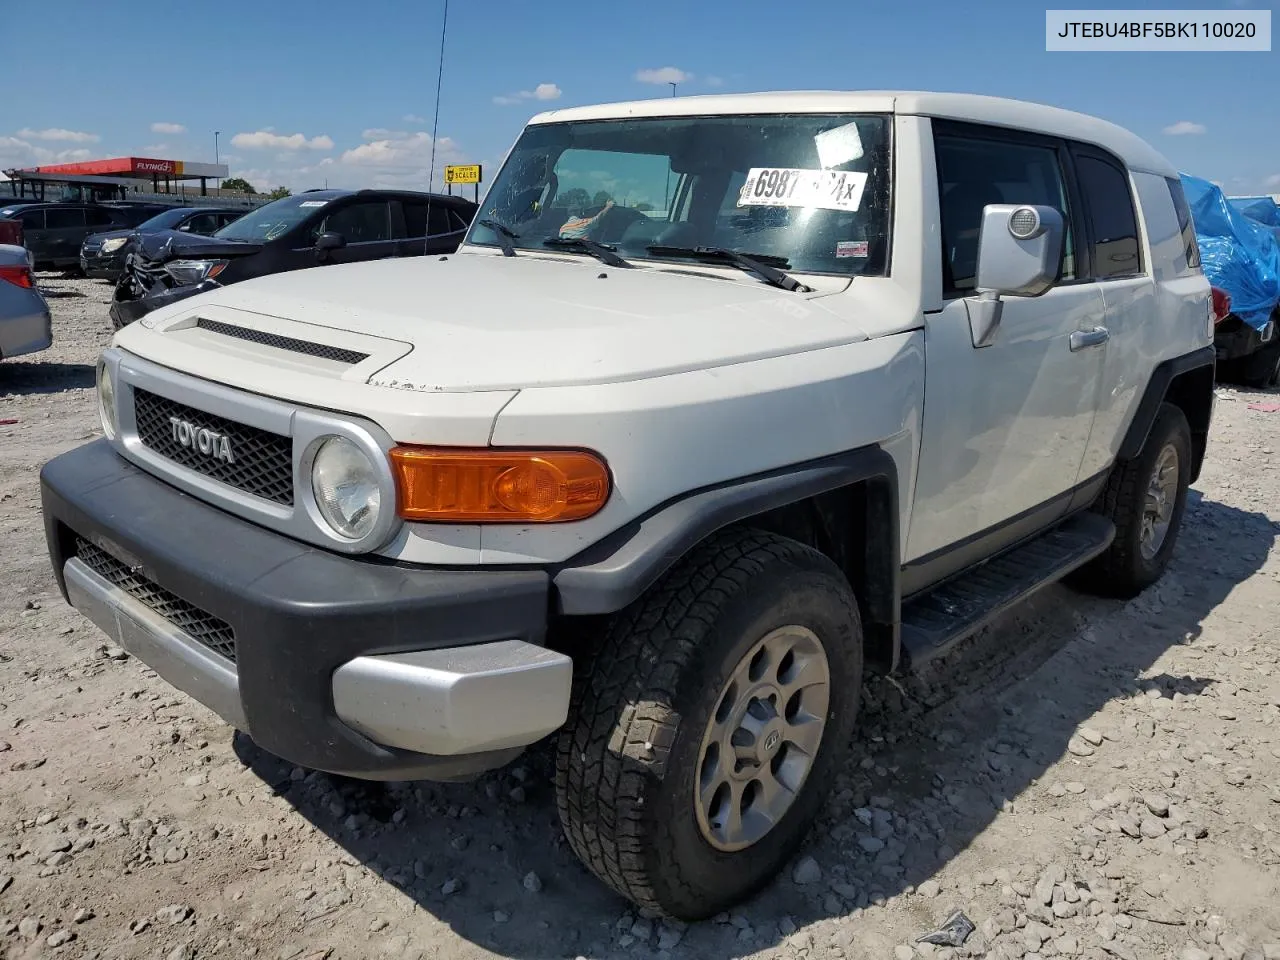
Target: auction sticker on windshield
{"x":791,"y":187}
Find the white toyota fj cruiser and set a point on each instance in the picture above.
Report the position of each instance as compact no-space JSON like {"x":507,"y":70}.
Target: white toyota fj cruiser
{"x":721,"y":398}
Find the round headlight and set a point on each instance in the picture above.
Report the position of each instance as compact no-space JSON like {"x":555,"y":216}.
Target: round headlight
{"x":345,"y":484}
{"x":106,"y":401}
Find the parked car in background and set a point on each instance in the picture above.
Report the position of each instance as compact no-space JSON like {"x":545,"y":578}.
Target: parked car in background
{"x":1241,"y":257}
{"x":102,"y":255}
{"x":309,"y":229}
{"x":53,"y":232}
{"x":25,"y":323}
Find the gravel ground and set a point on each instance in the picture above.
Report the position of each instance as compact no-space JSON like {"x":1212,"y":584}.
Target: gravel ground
{"x":1088,"y":778}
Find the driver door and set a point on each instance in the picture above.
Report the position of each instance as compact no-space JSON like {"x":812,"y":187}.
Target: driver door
{"x":1006,"y":425}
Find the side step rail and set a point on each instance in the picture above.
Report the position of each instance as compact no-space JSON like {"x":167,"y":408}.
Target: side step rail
{"x":934,"y":621}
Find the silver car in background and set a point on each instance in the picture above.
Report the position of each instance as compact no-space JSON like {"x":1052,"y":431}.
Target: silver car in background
{"x":25,"y":323}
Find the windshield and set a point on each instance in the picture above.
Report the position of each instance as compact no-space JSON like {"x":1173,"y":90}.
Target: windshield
{"x":809,"y":189}
{"x":271,"y":220}
{"x":162,"y":221}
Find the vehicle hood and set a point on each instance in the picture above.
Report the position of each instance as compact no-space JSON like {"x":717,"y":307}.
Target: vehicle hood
{"x":166,"y":245}
{"x":476,"y":322}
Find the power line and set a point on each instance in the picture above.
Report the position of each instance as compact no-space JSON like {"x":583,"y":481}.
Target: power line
{"x":435,"y":121}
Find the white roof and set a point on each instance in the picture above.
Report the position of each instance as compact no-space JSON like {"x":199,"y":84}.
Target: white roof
{"x":998,"y":111}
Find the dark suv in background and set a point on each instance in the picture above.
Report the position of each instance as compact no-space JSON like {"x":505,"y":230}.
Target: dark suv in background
{"x":53,"y":232}
{"x":308,"y":229}
{"x":102,"y":255}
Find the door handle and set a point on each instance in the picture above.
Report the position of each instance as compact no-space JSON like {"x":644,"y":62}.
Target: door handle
{"x":1089,"y":338}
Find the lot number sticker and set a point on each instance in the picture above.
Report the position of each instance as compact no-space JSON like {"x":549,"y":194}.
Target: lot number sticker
{"x":791,"y":187}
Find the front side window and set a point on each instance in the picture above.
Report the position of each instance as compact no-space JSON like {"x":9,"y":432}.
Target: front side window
{"x":363,"y":222}
{"x":975,"y":171}
{"x":810,"y":191}
{"x":1111,"y":218}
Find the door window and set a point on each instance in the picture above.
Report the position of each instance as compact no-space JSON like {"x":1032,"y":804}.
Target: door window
{"x":63,"y":218}
{"x":364,"y":222}
{"x":99,"y":218}
{"x":202,"y":223}
{"x":423,"y":220}
{"x":1112,"y":223}
{"x":32,"y":219}
{"x":975,"y":171}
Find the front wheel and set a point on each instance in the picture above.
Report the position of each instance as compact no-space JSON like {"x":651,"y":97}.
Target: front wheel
{"x":706,"y":729}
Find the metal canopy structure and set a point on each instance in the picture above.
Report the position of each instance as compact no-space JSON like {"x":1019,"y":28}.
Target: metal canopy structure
{"x":121,"y":178}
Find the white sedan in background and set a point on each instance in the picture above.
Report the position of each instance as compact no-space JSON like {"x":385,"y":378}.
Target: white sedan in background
{"x":25,"y":323}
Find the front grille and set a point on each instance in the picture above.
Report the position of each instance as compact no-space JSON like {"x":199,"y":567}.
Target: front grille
{"x":261,"y":464}
{"x":201,"y":626}
{"x":321,"y":350}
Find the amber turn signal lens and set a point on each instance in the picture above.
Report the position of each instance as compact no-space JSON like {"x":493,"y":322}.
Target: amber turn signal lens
{"x":448,"y":485}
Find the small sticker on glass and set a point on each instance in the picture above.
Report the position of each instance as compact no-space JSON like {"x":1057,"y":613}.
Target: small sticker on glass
{"x":313,"y":203}
{"x":851,"y":248}
{"x":791,"y":187}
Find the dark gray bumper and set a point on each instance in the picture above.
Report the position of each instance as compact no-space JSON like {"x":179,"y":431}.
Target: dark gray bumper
{"x":361,"y":668}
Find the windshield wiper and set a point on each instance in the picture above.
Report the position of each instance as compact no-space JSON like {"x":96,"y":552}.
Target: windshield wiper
{"x":600,"y":251}
{"x":763,"y":265}
{"x":505,"y":236}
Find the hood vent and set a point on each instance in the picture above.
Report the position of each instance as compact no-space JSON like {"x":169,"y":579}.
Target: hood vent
{"x":323,"y":351}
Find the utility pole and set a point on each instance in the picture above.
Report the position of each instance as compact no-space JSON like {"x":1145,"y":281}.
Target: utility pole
{"x":673,"y":88}
{"x":215,"y":156}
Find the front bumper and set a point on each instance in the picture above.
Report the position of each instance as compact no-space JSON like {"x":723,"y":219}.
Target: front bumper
{"x":102,"y":267}
{"x":125,"y":312}
{"x":360,"y":668}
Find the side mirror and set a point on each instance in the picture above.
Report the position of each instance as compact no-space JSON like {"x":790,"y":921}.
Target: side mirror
{"x":327,"y":242}
{"x":1019,"y":250}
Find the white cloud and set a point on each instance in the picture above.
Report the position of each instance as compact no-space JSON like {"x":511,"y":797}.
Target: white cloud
{"x":161,"y":127}
{"x":403,"y":160}
{"x":151,"y":149}
{"x":543,"y":91}
{"x":58,"y":133}
{"x":16,"y":152}
{"x":715,"y":81}
{"x":1183,"y":128}
{"x":413,"y":118}
{"x":381,"y":133}
{"x":664,"y":75}
{"x":266,"y":139}
{"x":1273,"y":180}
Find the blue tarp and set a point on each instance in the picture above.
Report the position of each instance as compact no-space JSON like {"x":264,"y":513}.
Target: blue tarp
{"x":1239,"y":254}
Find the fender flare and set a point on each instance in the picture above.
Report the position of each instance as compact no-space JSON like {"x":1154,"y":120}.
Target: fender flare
{"x":1156,"y":390}
{"x":616,"y":570}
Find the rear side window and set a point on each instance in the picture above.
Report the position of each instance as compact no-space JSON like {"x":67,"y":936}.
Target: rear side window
{"x":421,"y":220}
{"x":32,"y":219}
{"x":99,"y":218}
{"x":61,"y":218}
{"x":1191,"y":249}
{"x":1113,"y":224}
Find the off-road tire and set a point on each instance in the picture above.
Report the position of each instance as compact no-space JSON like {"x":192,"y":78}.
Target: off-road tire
{"x":627,"y":758}
{"x":1122,"y":571}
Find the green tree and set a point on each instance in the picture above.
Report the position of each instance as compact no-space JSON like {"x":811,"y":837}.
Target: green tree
{"x":574,"y":198}
{"x":238,"y":183}
{"x":280,"y":193}
{"x":601,"y":198}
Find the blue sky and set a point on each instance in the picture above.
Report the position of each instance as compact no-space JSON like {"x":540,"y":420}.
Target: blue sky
{"x":344,"y":92}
